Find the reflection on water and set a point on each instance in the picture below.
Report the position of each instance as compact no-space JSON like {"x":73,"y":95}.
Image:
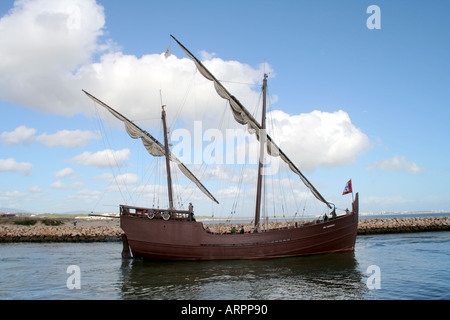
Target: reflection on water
{"x":334,"y":276}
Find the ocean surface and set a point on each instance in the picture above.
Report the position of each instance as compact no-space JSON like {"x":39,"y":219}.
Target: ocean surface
{"x":383,"y":267}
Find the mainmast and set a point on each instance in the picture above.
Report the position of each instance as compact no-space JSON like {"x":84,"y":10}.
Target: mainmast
{"x":167,"y":154}
{"x":262,"y":139}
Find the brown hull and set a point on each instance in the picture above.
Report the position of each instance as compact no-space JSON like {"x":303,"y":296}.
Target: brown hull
{"x":184,"y":240}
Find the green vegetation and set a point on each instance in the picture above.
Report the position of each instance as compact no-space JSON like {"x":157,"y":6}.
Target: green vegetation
{"x":52,"y":222}
{"x":31,"y":221}
{"x":25,"y":221}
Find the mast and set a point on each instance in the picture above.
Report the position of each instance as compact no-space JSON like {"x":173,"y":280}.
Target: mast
{"x":244,"y":117}
{"x":166,"y":149}
{"x":262,"y":139}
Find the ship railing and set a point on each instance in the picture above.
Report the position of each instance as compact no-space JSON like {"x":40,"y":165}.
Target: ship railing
{"x":157,"y":213}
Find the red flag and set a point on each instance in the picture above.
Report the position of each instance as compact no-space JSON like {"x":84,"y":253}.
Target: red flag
{"x":348,"y":187}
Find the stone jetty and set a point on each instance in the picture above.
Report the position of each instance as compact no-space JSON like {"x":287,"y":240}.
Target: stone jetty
{"x":64,"y":233}
{"x":403,"y":225}
{"x":102,"y":232}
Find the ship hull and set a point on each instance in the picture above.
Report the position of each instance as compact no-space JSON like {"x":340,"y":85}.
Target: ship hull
{"x":186,"y":240}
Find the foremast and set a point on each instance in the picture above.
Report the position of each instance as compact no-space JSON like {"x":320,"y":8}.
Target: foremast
{"x":166,"y":149}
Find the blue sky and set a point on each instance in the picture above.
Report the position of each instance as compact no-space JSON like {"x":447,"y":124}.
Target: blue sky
{"x":382,"y":93}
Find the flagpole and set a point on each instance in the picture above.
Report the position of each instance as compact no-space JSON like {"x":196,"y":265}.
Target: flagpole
{"x":353,"y":199}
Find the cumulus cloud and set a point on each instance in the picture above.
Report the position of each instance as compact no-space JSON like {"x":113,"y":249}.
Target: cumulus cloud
{"x":85,"y":195}
{"x":65,"y":52}
{"x":11,"y":165}
{"x":59,"y":185}
{"x":318,"y":138}
{"x":63,"y":173}
{"x":12,"y":198}
{"x":56,"y":62}
{"x":41,"y":44}
{"x":396,"y":163}
{"x":19,"y":135}
{"x":35,"y":189}
{"x":65,"y":138}
{"x":122,"y":179}
{"x":102,"y":159}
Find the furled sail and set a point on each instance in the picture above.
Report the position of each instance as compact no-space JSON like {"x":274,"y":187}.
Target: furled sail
{"x":153,"y":146}
{"x":244,"y":117}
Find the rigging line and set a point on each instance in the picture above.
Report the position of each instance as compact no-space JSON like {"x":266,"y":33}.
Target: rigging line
{"x":182,"y":103}
{"x":93,"y":116}
{"x":202,"y":170}
{"x":275,"y":133}
{"x":157,"y":182}
{"x":203,"y":167}
{"x":238,"y":193}
{"x":106,"y":137}
{"x":176,"y":116}
{"x":177,"y":190}
{"x":271,"y":126}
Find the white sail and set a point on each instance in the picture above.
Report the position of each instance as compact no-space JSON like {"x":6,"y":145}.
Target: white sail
{"x":153,"y":146}
{"x":243,"y":116}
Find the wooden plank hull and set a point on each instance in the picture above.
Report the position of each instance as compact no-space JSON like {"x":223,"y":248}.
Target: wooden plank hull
{"x":184,"y":240}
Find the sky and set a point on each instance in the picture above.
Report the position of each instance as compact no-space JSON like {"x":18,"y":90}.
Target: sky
{"x":354,"y":93}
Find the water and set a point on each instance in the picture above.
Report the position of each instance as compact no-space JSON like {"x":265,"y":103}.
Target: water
{"x":412,"y":266}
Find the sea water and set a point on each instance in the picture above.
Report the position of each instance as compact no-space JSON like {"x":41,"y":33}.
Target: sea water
{"x":396,"y":266}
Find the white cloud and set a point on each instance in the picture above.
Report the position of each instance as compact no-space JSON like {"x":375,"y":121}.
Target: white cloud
{"x":12,"y":198}
{"x":396,"y":163}
{"x":41,"y":43}
{"x":122,"y":179}
{"x":57,"y":62}
{"x":87,"y":196}
{"x":35,"y":189}
{"x":19,"y":135}
{"x":59,"y":185}
{"x":63,"y":173}
{"x":65,"y":138}
{"x":102,"y":159}
{"x":11,"y":165}
{"x":318,"y":138}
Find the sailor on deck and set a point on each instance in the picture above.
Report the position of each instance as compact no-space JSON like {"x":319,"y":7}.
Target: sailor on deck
{"x":191,"y":212}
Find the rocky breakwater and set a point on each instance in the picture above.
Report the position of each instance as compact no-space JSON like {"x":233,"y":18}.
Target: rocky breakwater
{"x":64,"y":233}
{"x":403,"y":225}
